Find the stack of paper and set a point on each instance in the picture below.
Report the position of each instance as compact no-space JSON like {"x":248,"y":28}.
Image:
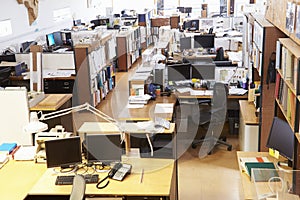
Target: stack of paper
{"x":3,"y":160}
{"x":25,"y":153}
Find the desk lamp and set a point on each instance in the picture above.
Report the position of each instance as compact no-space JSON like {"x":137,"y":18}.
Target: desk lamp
{"x":36,"y":126}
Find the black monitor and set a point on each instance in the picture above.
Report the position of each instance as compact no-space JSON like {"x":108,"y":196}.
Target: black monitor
{"x":185,"y":43}
{"x":206,"y":41}
{"x":204,"y":71}
{"x":191,"y":25}
{"x":50,"y":40}
{"x":188,"y":10}
{"x":178,"y":72}
{"x":180,"y":9}
{"x":63,"y":152}
{"x":281,"y":138}
{"x":58,"y":38}
{"x":103,"y":148}
{"x":26,"y":46}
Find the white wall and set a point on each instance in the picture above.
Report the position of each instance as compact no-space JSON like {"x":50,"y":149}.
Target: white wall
{"x":22,"y":31}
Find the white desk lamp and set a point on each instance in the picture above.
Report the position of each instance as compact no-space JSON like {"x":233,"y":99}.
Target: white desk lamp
{"x":36,"y":126}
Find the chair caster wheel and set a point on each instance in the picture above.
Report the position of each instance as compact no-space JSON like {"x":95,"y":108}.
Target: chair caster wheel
{"x":229,"y":148}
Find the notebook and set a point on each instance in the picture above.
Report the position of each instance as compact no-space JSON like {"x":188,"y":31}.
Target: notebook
{"x":263,"y":175}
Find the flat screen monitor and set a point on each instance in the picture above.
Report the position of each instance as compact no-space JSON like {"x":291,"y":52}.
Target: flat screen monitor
{"x":58,"y":38}
{"x":50,"y":39}
{"x":191,"y":25}
{"x":63,"y":152}
{"x":281,"y":138}
{"x":204,"y":71}
{"x":26,"y":46}
{"x":206,"y":41}
{"x":178,"y":72}
{"x":180,"y":9}
{"x":103,"y":148}
{"x":185,"y":43}
{"x":187,"y":9}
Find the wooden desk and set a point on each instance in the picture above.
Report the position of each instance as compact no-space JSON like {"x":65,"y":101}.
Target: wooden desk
{"x":159,"y":180}
{"x":107,"y":128}
{"x":147,"y":112}
{"x":187,"y":95}
{"x":248,"y":186}
{"x":18,"y":177}
{"x":52,"y":102}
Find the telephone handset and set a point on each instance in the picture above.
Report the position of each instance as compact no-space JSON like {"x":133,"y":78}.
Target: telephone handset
{"x":119,"y":171}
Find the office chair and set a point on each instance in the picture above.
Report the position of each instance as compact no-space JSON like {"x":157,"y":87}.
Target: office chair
{"x":215,"y":118}
{"x":4,"y":76}
{"x":220,"y":54}
{"x":78,"y":188}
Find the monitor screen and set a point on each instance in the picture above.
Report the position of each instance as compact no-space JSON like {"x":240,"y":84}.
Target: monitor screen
{"x":281,"y":138}
{"x":191,"y":25}
{"x":50,"y":39}
{"x":180,"y":9}
{"x":58,"y":38}
{"x":204,"y":71}
{"x":26,"y":46}
{"x":8,"y":58}
{"x":178,"y":72}
{"x":185,"y":43}
{"x":103,"y":148}
{"x":187,"y":9}
{"x":204,"y":41}
{"x":63,"y":152}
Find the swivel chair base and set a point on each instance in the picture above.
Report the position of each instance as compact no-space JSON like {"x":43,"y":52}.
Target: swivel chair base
{"x":213,"y":141}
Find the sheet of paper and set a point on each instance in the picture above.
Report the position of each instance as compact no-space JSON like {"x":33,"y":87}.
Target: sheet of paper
{"x":201,"y":92}
{"x":164,"y":108}
{"x":183,"y":90}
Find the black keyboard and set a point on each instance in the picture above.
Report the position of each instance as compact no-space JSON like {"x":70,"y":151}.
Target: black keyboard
{"x":68,"y":179}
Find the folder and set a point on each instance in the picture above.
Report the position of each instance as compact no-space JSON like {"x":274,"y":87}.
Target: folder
{"x":7,"y":147}
{"x":263,"y":175}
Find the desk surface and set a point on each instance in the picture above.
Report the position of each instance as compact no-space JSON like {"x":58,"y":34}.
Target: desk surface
{"x":18,"y":177}
{"x":158,"y":180}
{"x":248,"y":186}
{"x":187,"y":95}
{"x":52,"y":102}
{"x":147,"y":112}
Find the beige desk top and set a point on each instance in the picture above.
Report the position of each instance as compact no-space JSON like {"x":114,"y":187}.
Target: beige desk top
{"x":147,"y":112}
{"x":248,"y":186}
{"x":18,"y":177}
{"x":157,"y":180}
{"x":52,"y":102}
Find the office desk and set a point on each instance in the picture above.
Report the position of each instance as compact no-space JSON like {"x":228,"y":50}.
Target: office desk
{"x":147,"y":112}
{"x":107,"y":128}
{"x":158,"y":181}
{"x":54,"y":102}
{"x":187,"y":95}
{"x":18,"y":177}
{"x":248,"y":186}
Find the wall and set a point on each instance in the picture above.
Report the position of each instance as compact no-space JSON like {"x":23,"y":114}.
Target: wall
{"x":22,"y":31}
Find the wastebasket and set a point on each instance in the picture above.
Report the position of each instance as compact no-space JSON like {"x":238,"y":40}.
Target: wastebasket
{"x":233,"y":120}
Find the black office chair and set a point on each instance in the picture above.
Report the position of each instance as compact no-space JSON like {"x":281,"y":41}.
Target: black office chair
{"x":4,"y":76}
{"x":78,"y":188}
{"x":220,"y":54}
{"x":214,"y":118}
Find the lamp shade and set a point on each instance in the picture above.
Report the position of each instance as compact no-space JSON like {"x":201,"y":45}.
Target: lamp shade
{"x":35,"y":125}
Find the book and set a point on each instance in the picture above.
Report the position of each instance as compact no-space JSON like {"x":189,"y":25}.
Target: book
{"x":266,"y":175}
{"x":7,"y":148}
{"x":3,"y":160}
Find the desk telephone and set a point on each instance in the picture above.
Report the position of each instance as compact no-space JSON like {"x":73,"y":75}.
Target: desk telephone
{"x":119,"y":171}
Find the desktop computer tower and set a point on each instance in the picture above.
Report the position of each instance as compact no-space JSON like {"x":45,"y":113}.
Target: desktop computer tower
{"x":160,"y":78}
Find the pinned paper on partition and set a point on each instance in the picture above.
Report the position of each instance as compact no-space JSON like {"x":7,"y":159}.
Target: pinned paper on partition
{"x":274,"y":153}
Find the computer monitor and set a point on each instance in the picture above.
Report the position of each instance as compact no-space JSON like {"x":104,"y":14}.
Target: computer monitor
{"x":204,"y":71}
{"x":180,"y":9}
{"x":178,"y":72}
{"x":191,"y":25}
{"x":206,"y":41}
{"x":26,"y":46}
{"x":50,"y":40}
{"x":188,"y":10}
{"x":8,"y":58}
{"x":63,"y":152}
{"x":58,"y":38}
{"x":281,"y":138}
{"x":185,"y":43}
{"x":103,"y":148}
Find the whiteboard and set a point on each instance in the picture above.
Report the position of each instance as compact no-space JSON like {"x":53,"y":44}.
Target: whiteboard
{"x":14,"y":116}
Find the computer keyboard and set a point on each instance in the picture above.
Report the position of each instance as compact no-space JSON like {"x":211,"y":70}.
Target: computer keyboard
{"x":68,"y":179}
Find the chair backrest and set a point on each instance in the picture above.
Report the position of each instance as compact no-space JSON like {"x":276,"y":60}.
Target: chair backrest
{"x":78,"y":188}
{"x":219,"y":103}
{"x":4,"y":76}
